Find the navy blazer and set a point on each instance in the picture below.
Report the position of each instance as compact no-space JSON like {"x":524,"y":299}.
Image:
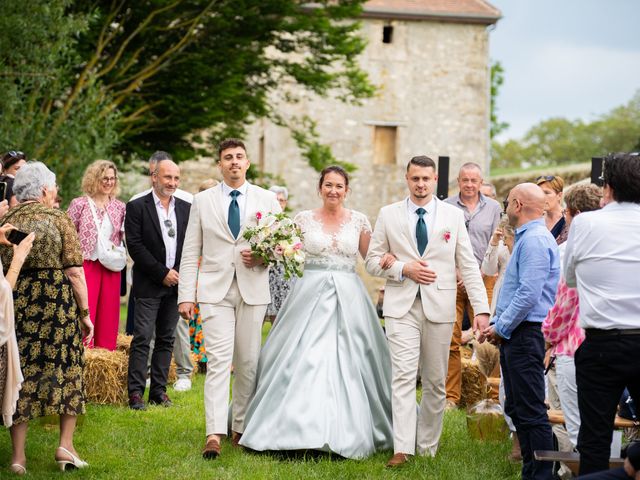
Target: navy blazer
{"x":146,"y":247}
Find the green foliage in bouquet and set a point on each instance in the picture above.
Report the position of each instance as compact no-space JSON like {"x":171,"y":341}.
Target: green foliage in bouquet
{"x":277,"y":240}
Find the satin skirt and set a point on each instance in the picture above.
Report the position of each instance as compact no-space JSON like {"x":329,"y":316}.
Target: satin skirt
{"x":324,"y":374}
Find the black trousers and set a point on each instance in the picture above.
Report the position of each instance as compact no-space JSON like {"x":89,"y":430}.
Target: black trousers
{"x":615,"y":474}
{"x":522,"y":362}
{"x":604,"y":366}
{"x":159,"y":315}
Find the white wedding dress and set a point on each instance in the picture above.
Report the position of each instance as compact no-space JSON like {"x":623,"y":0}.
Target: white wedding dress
{"x":324,"y":376}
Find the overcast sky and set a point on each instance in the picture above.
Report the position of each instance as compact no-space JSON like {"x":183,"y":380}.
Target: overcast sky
{"x":568,"y":58}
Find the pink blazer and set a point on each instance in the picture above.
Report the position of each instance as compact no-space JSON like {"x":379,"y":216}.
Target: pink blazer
{"x":82,"y":218}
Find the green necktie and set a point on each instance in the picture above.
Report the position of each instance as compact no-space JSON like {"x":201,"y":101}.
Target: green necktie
{"x":234,"y":214}
{"x":421,"y":231}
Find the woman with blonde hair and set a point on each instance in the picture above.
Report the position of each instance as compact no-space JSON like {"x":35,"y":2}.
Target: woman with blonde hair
{"x":553,"y":186}
{"x":99,"y":220}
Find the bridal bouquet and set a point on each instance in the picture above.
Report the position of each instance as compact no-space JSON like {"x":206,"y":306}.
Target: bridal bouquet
{"x":278,"y":241}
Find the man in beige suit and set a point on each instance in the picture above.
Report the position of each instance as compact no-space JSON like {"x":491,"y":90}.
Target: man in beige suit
{"x":429,"y":240}
{"x":231,"y":286}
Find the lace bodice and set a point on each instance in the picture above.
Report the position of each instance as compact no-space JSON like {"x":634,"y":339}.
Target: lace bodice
{"x":339,"y":249}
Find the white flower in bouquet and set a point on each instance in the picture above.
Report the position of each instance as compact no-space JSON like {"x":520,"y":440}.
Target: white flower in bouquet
{"x":278,"y":241}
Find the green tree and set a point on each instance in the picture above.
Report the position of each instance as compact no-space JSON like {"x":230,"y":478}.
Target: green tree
{"x":174,"y":68}
{"x":38,"y":59}
{"x":558,"y":141}
{"x":497,"y":79}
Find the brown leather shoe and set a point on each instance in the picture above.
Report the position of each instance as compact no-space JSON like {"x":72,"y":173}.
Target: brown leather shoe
{"x":235,"y":439}
{"x":398,"y":459}
{"x":211,"y":448}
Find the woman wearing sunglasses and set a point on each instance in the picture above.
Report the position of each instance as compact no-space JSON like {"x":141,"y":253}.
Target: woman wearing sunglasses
{"x":99,"y":219}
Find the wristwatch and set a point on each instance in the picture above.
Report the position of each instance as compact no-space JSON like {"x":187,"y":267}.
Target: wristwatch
{"x":84,"y":312}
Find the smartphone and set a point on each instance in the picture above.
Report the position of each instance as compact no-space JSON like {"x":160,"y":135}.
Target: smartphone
{"x":16,"y":236}
{"x":3,"y":190}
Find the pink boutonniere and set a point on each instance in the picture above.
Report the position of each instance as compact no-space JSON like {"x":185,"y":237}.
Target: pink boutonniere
{"x":258,"y":216}
{"x":447,"y":235}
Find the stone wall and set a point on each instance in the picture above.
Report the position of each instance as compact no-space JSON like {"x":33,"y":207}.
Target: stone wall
{"x":433,"y":85}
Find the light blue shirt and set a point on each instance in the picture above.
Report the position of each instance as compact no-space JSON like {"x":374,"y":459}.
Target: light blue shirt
{"x":530,"y":281}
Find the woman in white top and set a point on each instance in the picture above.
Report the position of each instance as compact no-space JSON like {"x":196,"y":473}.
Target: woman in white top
{"x":99,"y":220}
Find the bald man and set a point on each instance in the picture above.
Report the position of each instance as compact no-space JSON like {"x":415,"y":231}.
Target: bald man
{"x":527,"y":293}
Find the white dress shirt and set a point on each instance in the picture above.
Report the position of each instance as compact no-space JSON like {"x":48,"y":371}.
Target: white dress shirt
{"x":602,"y":259}
{"x":170,"y":243}
{"x":429,"y":217}
{"x":242,"y":199}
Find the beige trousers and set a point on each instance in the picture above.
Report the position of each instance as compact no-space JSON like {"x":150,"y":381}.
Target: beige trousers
{"x":415,"y":341}
{"x":232,"y":335}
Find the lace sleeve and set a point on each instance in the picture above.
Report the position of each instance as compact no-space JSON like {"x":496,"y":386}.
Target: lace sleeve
{"x":362,"y":222}
{"x":301,"y":219}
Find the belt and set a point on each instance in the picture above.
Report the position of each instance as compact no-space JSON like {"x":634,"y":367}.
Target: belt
{"x":596,"y":332}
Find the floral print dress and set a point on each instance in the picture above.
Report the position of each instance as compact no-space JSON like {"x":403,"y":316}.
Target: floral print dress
{"x":47,"y":319}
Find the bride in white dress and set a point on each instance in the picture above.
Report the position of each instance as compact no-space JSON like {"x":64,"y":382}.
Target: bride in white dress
{"x":324,"y":376}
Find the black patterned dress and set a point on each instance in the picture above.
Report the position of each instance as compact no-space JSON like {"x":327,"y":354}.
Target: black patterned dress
{"x":47,"y":319}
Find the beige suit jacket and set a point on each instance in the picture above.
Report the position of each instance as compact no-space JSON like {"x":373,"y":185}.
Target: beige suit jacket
{"x":449,"y":247}
{"x":208,"y":236}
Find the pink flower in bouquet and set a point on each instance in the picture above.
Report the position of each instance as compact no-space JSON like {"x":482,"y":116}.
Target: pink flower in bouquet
{"x":258,"y":216}
{"x":297,"y":246}
{"x":447,"y":236}
{"x":278,"y":249}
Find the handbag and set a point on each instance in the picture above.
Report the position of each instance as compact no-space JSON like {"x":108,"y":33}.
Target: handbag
{"x":111,"y":257}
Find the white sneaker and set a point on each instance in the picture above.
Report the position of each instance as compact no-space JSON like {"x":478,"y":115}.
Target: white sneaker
{"x":182,"y":385}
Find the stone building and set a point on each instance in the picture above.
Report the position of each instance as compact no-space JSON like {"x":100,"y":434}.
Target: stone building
{"x":430,"y":62}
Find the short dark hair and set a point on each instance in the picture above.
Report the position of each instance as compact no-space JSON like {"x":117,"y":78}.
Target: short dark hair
{"x":622,"y":174}
{"x":230,"y":143}
{"x":421,"y":161}
{"x":334,"y":169}
{"x":158,"y":156}
{"x":12,"y":157}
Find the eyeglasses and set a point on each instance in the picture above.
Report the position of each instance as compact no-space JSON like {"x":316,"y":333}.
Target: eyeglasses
{"x":546,"y":178}
{"x":466,"y":224}
{"x":108,"y":179}
{"x":171,"y":232}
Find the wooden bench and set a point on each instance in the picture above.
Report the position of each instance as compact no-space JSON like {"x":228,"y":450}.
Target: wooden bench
{"x":557,"y":417}
{"x":570,"y":459}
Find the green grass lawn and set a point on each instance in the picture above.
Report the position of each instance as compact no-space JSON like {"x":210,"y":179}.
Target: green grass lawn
{"x":165,"y":443}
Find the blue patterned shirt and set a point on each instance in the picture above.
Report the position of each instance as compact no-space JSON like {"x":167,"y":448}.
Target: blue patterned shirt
{"x":530,"y":281}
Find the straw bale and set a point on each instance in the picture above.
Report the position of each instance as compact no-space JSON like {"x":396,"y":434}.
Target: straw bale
{"x":474,"y":384}
{"x":488,"y":357}
{"x":105,"y":376}
{"x":123,"y":343}
{"x":173,"y":376}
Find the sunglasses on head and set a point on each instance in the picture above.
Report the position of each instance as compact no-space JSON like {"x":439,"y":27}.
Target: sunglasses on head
{"x":547,"y":178}
{"x":15,"y":153}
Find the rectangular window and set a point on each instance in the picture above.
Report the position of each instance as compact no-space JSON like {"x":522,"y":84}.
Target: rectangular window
{"x":387,"y":34}
{"x":384,"y":145}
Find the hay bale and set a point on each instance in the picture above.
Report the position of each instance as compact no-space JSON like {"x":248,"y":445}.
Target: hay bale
{"x":488,"y":357}
{"x":105,"y":376}
{"x":474,"y":383}
{"x":466,"y":351}
{"x":123,"y":343}
{"x":173,"y":375}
